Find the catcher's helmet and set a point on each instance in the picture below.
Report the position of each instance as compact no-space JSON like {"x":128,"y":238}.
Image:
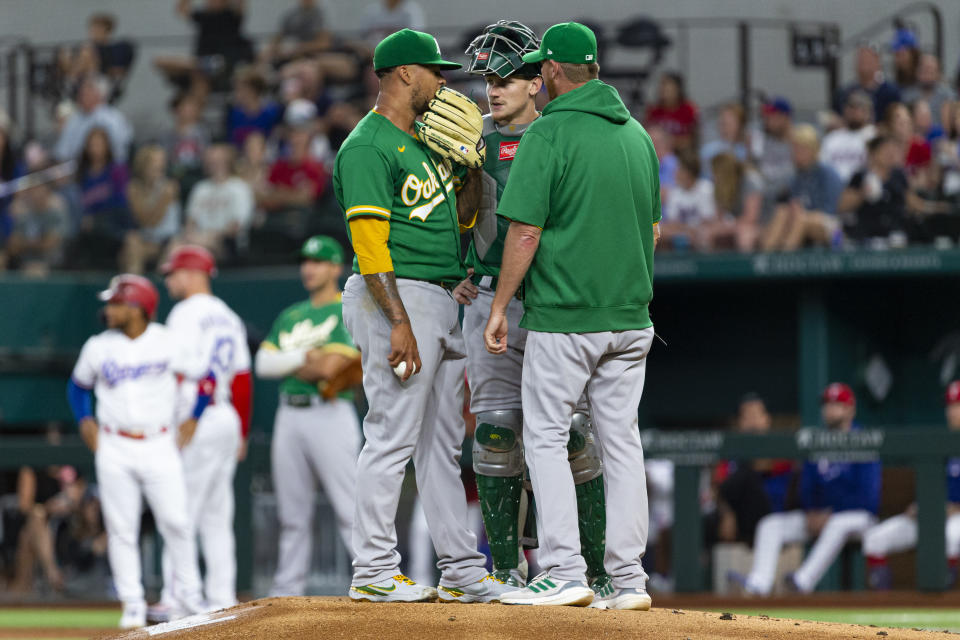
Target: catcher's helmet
{"x":500,"y":48}
{"x":190,"y":256}
{"x":130,"y":289}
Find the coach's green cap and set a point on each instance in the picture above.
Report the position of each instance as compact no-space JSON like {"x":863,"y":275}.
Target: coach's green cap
{"x":322,"y":249}
{"x":409,"y":47}
{"x":566,"y":42}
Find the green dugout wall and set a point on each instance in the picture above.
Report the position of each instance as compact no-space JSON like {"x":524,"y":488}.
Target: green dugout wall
{"x":780,"y":324}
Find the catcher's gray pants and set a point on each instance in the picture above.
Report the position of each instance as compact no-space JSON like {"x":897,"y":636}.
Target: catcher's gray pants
{"x":317,"y":442}
{"x":494,"y":379}
{"x":421,"y":418}
{"x":610,"y":367}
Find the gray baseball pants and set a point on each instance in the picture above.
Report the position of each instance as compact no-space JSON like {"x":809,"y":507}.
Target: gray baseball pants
{"x":422,"y":419}
{"x":610,"y":367}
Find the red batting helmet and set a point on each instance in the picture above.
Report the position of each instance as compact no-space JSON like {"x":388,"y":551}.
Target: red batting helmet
{"x":190,"y":256}
{"x":838,"y":392}
{"x":953,"y":392}
{"x":130,"y":289}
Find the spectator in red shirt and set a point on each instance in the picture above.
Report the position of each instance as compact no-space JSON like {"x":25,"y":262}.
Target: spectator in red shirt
{"x":296,"y":180}
{"x":898,"y":124}
{"x":674,"y":112}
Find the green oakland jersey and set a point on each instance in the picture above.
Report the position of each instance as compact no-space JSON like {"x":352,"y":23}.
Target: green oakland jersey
{"x":304,"y":326}
{"x":486,"y":246}
{"x":385,"y":172}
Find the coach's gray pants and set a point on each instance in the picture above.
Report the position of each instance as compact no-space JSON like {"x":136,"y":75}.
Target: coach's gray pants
{"x":421,"y":418}
{"x":610,"y":367}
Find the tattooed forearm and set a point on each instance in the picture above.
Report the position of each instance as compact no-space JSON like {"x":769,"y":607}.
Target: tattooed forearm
{"x":468,"y":198}
{"x":383,"y":288}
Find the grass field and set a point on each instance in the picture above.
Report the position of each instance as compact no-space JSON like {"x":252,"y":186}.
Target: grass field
{"x":22,"y":624}
{"x":933,"y":619}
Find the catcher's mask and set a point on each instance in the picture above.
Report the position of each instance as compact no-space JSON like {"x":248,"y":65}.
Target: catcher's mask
{"x":499,"y":49}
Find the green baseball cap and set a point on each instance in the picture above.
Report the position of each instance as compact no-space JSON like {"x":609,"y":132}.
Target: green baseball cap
{"x":566,"y":42}
{"x":322,"y":249}
{"x":409,"y":47}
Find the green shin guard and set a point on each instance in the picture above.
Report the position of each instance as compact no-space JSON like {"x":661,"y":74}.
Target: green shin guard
{"x":500,"y":506}
{"x":592,"y":518}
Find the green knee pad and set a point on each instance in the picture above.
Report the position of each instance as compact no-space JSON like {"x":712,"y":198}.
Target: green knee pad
{"x":500,"y":506}
{"x":592,"y":518}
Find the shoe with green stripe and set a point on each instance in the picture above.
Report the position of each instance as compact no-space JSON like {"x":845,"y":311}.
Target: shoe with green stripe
{"x":623,"y":599}
{"x":487,"y":589}
{"x":545,"y":590}
{"x":399,"y":588}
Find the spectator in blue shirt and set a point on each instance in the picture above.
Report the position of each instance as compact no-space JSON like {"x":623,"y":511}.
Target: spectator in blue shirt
{"x":809,"y":215}
{"x":251,"y":110}
{"x":839,"y":503}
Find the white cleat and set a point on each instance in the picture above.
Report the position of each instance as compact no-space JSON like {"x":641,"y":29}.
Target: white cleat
{"x":623,"y":600}
{"x":399,"y":588}
{"x":487,"y":589}
{"x":134,"y":615}
{"x":544,"y":590}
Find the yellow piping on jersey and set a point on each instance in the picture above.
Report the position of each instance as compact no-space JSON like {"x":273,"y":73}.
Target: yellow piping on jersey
{"x":368,"y":209}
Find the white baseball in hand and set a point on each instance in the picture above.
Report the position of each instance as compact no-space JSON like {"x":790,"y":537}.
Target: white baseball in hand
{"x":401,"y":369}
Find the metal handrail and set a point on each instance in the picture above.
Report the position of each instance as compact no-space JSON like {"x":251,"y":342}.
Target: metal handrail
{"x":884,"y":24}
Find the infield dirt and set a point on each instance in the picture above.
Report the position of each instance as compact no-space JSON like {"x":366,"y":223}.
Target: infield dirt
{"x":315,"y":617}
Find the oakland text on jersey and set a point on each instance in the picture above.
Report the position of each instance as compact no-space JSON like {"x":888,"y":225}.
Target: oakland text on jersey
{"x":115,"y":373}
{"x":416,"y":189}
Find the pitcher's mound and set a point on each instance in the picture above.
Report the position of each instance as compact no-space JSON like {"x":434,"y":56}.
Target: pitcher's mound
{"x":309,"y":618}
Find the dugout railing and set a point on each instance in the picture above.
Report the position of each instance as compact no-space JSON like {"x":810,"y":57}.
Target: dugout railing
{"x":925,"y":450}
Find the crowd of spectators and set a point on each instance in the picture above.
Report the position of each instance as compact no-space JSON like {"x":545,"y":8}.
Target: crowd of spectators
{"x":241,"y":161}
{"x":880,"y":170}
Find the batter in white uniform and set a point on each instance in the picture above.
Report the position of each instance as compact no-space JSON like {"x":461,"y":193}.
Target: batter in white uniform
{"x":131,"y":368}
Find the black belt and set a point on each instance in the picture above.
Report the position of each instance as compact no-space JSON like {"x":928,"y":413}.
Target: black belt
{"x":449,"y":285}
{"x":299,"y":400}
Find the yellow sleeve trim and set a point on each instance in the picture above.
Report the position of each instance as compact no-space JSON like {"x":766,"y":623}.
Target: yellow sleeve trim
{"x":342,"y":349}
{"x":370,"y":235}
{"x":269,"y":346}
{"x":473,"y":222}
{"x":368,"y":210}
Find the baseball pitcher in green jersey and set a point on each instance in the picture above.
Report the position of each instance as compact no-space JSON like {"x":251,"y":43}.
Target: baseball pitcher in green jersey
{"x":512,"y":88}
{"x":404,"y":203}
{"x":585,"y":183}
{"x":313,"y":439}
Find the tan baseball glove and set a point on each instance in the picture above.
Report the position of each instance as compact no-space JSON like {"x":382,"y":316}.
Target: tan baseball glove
{"x":350,"y":374}
{"x":453,"y":127}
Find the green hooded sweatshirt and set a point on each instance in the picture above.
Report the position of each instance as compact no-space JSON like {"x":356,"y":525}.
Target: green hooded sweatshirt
{"x":587,"y":174}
